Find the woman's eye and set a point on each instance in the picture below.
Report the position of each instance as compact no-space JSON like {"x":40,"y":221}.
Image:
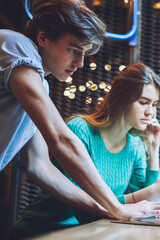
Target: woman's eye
{"x":156,"y":104}
{"x":142,"y":103}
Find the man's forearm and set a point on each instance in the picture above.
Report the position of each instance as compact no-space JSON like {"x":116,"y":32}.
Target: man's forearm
{"x":43,"y":173}
{"x":80,"y":167}
{"x":58,"y":186}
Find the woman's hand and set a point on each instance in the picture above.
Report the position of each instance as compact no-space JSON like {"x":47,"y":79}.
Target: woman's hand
{"x":138,"y":210}
{"x":153,"y":133}
{"x":152,"y":144}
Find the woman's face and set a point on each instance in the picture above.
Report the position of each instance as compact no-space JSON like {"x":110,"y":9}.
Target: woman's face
{"x":141,"y":112}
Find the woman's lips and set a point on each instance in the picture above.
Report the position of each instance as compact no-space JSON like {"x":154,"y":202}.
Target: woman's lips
{"x":145,"y":121}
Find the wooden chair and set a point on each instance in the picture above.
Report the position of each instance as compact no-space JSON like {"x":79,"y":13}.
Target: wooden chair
{"x":22,"y":191}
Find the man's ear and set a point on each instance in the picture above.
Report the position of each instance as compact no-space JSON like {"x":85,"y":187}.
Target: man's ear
{"x":41,"y":38}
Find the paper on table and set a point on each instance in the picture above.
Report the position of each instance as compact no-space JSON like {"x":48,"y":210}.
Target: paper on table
{"x":147,"y":220}
{"x":151,"y":221}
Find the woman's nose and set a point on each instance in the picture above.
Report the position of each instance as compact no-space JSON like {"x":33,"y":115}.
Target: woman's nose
{"x":149,"y":110}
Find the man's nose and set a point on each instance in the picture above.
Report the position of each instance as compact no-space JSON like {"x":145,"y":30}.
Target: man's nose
{"x":79,"y":61}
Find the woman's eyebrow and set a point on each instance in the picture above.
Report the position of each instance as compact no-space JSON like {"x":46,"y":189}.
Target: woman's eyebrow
{"x":148,"y":99}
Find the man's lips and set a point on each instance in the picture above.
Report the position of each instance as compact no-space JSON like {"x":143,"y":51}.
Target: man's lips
{"x":70,"y":72}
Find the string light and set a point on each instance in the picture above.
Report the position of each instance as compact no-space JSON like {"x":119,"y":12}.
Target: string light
{"x":66,"y":93}
{"x":100,"y":100}
{"x":102,"y":85}
{"x":93,"y":66}
{"x":73,"y":89}
{"x":121,"y":67}
{"x":107,"y":67}
{"x":82,"y":88}
{"x":89,"y":84}
{"x":107,"y":88}
{"x":70,"y":91}
{"x":97,"y":3}
{"x":71,"y":96}
{"x":94,"y":87}
{"x":88,"y":100}
{"x":68,"y":80}
{"x":156,"y":5}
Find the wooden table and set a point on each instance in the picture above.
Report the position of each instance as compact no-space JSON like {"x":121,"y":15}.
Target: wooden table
{"x":105,"y":230}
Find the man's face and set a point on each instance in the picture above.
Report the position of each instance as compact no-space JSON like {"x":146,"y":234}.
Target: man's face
{"x":62,"y":57}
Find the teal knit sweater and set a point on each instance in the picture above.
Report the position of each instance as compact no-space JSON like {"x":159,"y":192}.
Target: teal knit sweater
{"x":127,"y":168}
{"x":118,"y":170}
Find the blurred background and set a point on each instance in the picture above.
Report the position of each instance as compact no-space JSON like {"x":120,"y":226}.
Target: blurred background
{"x":133,"y":34}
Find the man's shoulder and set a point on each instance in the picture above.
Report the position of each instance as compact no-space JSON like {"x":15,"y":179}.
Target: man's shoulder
{"x":11,"y":38}
{"x":10,"y":34}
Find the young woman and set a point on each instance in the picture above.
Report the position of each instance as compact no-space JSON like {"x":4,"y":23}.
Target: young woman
{"x":122,"y":136}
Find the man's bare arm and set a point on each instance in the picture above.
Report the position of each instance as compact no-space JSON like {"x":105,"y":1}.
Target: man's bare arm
{"x":43,"y":173}
{"x":27,"y":86}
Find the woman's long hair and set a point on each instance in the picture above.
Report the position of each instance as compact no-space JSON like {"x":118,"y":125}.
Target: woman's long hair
{"x":126,"y":88}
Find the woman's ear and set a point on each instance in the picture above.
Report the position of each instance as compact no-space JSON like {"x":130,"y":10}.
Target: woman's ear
{"x":41,"y":38}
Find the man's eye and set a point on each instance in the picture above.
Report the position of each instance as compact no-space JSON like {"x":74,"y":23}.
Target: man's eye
{"x":88,"y":53}
{"x":73,"y":51}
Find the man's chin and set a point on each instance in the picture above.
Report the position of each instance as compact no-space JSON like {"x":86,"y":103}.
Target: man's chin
{"x":62,"y":79}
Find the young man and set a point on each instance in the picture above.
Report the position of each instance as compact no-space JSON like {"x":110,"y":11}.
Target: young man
{"x":60,"y":34}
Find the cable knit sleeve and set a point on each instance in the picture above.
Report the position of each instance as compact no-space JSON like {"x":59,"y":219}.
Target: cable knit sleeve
{"x":142,"y":176}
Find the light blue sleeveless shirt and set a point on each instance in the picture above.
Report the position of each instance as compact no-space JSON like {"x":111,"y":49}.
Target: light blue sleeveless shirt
{"x":16,"y":127}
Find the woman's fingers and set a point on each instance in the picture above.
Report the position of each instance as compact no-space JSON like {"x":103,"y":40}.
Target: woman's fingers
{"x":155,"y":212}
{"x":149,"y":209}
{"x":154,"y":124}
{"x":142,"y":209}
